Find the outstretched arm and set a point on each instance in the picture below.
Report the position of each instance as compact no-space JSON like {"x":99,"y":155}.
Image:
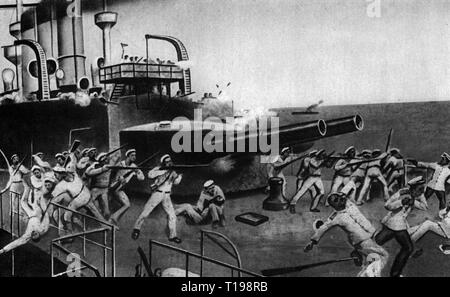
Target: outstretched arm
{"x":16,"y":243}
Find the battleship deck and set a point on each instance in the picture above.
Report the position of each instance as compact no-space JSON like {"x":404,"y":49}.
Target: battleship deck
{"x":277,"y":243}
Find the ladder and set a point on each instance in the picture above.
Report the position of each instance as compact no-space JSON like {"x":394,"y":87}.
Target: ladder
{"x":182,"y":55}
{"x":44,"y":82}
{"x":117,"y":92}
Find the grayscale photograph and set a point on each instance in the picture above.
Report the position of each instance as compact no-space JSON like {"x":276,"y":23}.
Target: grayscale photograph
{"x":224,"y":139}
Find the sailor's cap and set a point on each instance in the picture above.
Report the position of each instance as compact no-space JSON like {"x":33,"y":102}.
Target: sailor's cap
{"x":208,"y":184}
{"x":59,"y":155}
{"x":312,"y":153}
{"x":445,"y":155}
{"x":340,"y":194}
{"x":35,"y":167}
{"x":39,"y":154}
{"x":85,"y":151}
{"x":347,"y":151}
{"x":365,"y":153}
{"x":101,"y":156}
{"x":394,"y":151}
{"x":13,"y":156}
{"x":129,"y":152}
{"x":59,"y":169}
{"x":286,"y":149}
{"x":92,"y":149}
{"x":416,"y":181}
{"x":65,"y":153}
{"x":164,"y":158}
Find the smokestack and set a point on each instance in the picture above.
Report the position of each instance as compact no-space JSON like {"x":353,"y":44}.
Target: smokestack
{"x":105,"y":21}
{"x":70,"y":44}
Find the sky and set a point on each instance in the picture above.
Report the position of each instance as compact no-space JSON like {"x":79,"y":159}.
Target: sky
{"x":288,"y":53}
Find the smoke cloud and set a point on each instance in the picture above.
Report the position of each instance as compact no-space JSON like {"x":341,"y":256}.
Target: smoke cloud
{"x":79,"y":98}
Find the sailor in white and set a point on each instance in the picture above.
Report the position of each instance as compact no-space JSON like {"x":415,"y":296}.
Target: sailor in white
{"x":17,"y":186}
{"x":99,"y":175}
{"x":395,"y":224}
{"x":437,"y":183}
{"x":210,"y":204}
{"x":81,"y":197}
{"x":303,"y":172}
{"x":36,"y":181}
{"x":373,"y":174}
{"x":314,"y":179}
{"x":359,"y":230}
{"x":60,"y":159}
{"x":37,"y":225}
{"x":275,"y":167}
{"x":394,"y":169}
{"x":121,"y":179}
{"x":162,"y":188}
{"x":343,"y":169}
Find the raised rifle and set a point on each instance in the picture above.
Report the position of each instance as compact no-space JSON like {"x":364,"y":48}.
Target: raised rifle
{"x":127,"y":176}
{"x":291,"y":162}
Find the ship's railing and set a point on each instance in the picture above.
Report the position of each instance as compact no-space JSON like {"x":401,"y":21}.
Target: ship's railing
{"x":106,"y":244}
{"x":56,"y":245}
{"x":187,"y":255}
{"x":140,"y":70}
{"x":14,"y":221}
{"x":212,"y":235}
{"x":106,"y":232}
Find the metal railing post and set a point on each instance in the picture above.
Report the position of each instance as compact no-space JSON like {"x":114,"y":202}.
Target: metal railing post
{"x":51,"y":260}
{"x":105,"y":273}
{"x":1,"y":211}
{"x":113,"y":252}
{"x":187,"y":265}
{"x":84,"y":237}
{"x":202,"y":252}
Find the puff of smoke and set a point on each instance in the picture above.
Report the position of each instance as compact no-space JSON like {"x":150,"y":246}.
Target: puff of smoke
{"x":11,"y":98}
{"x":223,"y":165}
{"x":79,"y":98}
{"x":217,"y":108}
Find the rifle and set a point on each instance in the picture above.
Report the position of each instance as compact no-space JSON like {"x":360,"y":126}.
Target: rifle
{"x":290,"y":162}
{"x":117,"y":184}
{"x":173,"y":167}
{"x":363,"y":162}
{"x":356,"y":257}
{"x":116,"y":150}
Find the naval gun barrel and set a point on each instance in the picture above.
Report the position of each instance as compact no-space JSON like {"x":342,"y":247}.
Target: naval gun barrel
{"x":286,"y":135}
{"x":344,"y":125}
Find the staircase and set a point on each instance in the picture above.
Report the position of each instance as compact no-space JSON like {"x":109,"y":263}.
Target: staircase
{"x":117,"y":92}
